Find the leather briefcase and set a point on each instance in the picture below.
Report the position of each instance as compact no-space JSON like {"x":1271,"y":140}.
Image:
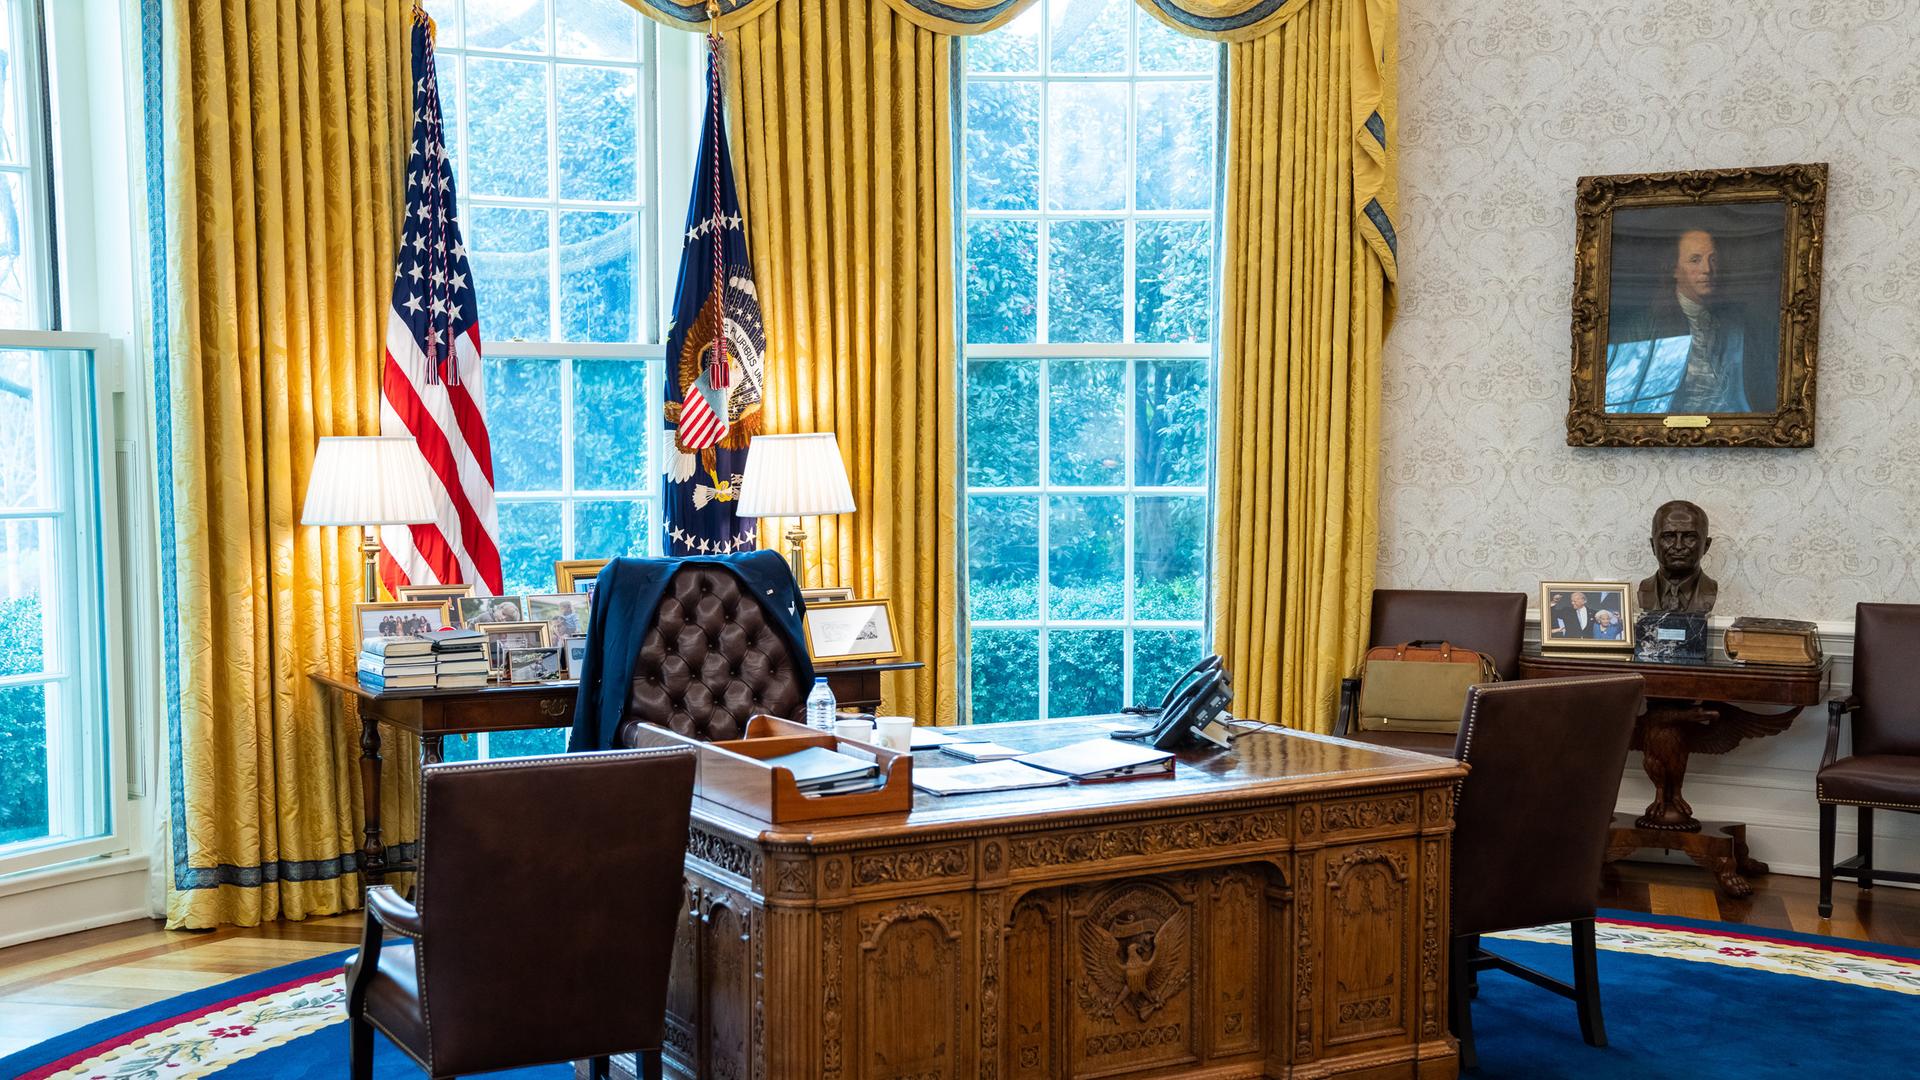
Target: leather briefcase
{"x":1419,"y":686}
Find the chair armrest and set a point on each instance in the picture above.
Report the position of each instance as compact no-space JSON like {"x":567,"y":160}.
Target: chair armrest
{"x":386,"y":907}
{"x":1349,"y":695}
{"x":1836,"y":709}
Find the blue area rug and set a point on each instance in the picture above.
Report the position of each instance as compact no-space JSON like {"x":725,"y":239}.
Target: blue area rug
{"x":1690,"y":999}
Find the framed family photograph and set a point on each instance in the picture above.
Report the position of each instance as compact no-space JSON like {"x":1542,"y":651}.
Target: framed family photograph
{"x":1586,"y":616}
{"x":564,"y":613}
{"x":472,"y":612}
{"x":399,"y":618}
{"x":505,"y":637}
{"x":846,"y":631}
{"x":1696,"y":307}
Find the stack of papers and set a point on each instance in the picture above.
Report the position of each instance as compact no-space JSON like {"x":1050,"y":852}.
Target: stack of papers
{"x":983,"y":777}
{"x":1103,"y":759}
{"x":980,"y":751}
{"x":820,"y":771}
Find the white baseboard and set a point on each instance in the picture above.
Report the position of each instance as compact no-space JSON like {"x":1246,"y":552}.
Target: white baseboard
{"x":71,"y":899}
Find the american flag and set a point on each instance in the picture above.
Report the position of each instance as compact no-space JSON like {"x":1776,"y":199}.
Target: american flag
{"x":432,"y":362}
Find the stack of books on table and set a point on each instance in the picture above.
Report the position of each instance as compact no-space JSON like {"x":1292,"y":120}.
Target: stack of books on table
{"x":459,"y":656}
{"x":397,"y":663}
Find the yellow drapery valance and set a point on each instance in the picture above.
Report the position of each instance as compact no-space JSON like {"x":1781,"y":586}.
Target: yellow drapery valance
{"x":1218,"y":20}
{"x":287,"y":132}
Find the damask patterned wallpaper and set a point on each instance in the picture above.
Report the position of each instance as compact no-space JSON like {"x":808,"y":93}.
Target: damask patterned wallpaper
{"x":1503,"y":106}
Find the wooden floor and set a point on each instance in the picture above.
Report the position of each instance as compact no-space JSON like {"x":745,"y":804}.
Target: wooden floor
{"x":50,"y":987}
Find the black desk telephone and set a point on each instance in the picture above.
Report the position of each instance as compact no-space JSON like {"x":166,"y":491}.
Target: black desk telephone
{"x":1196,"y":707}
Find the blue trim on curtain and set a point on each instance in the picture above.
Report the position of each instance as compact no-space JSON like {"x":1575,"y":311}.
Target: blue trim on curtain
{"x":1382,"y":222}
{"x":1378,"y":128}
{"x":154,"y":95}
{"x":1220,"y":25}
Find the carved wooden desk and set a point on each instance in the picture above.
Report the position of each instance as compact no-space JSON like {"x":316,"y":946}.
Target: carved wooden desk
{"x":1278,"y":910}
{"x":1690,"y":711}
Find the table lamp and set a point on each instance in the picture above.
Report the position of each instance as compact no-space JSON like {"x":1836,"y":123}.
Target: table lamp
{"x":369,"y":481}
{"x":793,"y":476}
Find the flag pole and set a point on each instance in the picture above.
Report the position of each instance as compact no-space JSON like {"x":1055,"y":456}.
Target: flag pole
{"x":717,"y":375}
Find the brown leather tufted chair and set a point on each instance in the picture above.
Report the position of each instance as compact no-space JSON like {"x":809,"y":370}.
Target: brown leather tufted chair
{"x":1494,"y":623}
{"x":1531,"y":825}
{"x":711,"y":661}
{"x":544,"y":923}
{"x":1883,"y":772}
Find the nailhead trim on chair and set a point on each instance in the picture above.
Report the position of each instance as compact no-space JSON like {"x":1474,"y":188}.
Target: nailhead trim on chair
{"x":1820,"y":794}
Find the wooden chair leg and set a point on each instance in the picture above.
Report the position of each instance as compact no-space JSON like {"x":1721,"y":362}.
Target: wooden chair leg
{"x":600,"y":1068}
{"x":1586,"y":983}
{"x":1459,"y":1002}
{"x":1828,"y":813}
{"x":651,"y":1067}
{"x":359,"y":1048}
{"x":1865,"y":847}
{"x":1473,"y":973}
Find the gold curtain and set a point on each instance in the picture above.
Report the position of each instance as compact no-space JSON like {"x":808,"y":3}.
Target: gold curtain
{"x":1306,"y":296}
{"x":842,"y":132}
{"x":287,"y":127}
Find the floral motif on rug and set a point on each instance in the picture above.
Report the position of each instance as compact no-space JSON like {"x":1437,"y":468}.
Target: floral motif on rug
{"x":1834,"y":962}
{"x":210,"y":1040}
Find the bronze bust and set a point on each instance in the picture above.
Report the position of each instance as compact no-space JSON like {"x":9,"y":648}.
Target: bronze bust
{"x":1680,"y":540}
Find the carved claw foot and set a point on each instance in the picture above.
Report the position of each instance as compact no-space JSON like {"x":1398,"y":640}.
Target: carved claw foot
{"x":1753,"y":867}
{"x":1733,"y":884}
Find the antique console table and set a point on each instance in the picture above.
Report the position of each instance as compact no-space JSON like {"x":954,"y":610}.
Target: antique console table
{"x":1690,"y":711}
{"x":435,"y":714}
{"x":1274,"y":910}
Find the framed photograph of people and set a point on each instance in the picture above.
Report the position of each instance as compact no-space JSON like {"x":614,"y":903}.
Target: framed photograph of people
{"x":1696,"y":307}
{"x":564,"y":613}
{"x":850,"y":631}
{"x":504,"y":637}
{"x":472,"y":612}
{"x":399,"y":618}
{"x":1586,"y":616}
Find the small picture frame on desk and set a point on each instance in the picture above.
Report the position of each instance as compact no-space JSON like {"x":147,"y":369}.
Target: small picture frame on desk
{"x":448,"y":593}
{"x":532,"y":665}
{"x":573,"y":655}
{"x":851,"y":631}
{"x":503,"y":638}
{"x":399,"y":618}
{"x":820,"y":596}
{"x":576,"y":575}
{"x":1587,"y":616}
{"x":473,"y":612}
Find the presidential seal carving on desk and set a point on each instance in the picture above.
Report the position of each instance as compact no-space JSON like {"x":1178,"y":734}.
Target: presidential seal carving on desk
{"x":1133,"y":952}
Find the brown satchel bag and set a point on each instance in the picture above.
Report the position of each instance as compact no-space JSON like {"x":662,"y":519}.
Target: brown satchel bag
{"x":1419,"y":686}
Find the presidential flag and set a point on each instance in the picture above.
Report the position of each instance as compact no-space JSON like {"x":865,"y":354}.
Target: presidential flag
{"x":715,"y":352}
{"x":433,"y":363}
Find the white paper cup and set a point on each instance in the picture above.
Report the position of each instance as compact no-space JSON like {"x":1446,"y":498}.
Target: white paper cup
{"x":857,"y":730}
{"x":895,"y":732}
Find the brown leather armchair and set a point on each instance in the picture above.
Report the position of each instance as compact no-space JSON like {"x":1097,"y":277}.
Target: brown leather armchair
{"x":1530,"y":827}
{"x":544,"y":922}
{"x":1883,"y":772}
{"x":711,"y":661}
{"x":1494,"y":623}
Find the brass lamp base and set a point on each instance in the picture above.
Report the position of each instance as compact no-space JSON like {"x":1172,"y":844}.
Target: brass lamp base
{"x":370,"y":551}
{"x":796,"y":560}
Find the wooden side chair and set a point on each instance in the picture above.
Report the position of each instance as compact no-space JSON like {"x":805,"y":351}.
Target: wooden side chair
{"x":1530,"y":828}
{"x":548,"y":894}
{"x":1494,"y":623}
{"x":1883,"y":772}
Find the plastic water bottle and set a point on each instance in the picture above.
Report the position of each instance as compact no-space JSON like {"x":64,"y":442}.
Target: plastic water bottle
{"x":820,"y":706}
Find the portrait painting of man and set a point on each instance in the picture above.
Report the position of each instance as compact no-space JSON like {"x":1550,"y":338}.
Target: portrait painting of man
{"x":1696,"y":307}
{"x":1693,"y":325}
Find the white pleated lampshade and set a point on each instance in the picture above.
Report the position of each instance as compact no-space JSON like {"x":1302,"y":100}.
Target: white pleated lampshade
{"x":794,"y":476}
{"x":369,"y":480}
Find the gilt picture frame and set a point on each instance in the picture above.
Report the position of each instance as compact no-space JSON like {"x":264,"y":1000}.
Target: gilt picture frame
{"x":1696,"y":307}
{"x":1587,"y":616}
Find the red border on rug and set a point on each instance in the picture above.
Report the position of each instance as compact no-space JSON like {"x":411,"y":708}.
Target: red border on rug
{"x":1738,"y":935}
{"x":138,"y":1033}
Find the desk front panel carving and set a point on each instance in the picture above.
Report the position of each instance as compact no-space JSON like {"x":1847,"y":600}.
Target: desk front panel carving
{"x":1261,"y":933}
